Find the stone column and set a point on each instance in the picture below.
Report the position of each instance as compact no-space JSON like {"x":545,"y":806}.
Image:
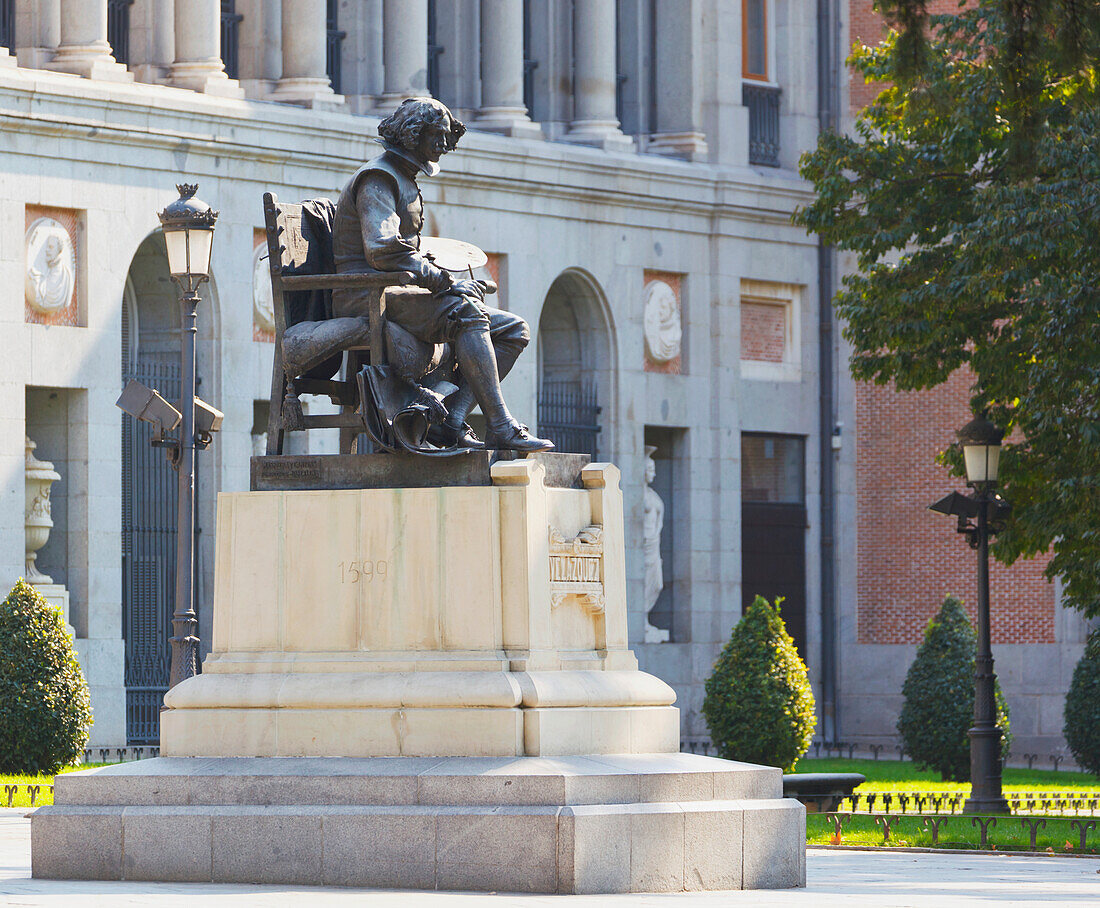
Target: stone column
{"x":362,"y":72}
{"x":84,"y":50}
{"x":305,"y":37}
{"x":594,"y":121}
{"x":164,"y":35}
{"x":678,"y":131}
{"x":404,"y":52}
{"x":152,"y":40}
{"x":199,"y":63}
{"x":37,"y":31}
{"x":502,"y":107}
{"x":261,"y":46}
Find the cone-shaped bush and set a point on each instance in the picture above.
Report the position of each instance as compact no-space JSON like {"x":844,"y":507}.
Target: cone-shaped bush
{"x":1082,"y":712}
{"x":758,"y":705}
{"x":45,"y":711}
{"x":939,"y":696}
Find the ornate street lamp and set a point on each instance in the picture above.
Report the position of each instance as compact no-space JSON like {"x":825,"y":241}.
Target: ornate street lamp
{"x":981,"y":444}
{"x":188,"y":237}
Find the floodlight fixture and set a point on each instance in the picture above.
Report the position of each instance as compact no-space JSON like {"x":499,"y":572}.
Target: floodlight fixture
{"x":147,"y":405}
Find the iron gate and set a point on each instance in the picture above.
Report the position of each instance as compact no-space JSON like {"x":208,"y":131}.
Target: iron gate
{"x":149,"y":509}
{"x":569,"y":416}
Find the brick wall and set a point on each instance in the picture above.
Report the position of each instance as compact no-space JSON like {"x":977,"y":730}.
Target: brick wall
{"x":866,"y":27}
{"x":763,"y":332}
{"x":909,"y":558}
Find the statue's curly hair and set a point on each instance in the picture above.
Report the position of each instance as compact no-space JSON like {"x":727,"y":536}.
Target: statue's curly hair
{"x":402,"y":128}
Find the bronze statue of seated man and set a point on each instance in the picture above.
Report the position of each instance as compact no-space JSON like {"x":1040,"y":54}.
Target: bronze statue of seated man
{"x":377,"y":225}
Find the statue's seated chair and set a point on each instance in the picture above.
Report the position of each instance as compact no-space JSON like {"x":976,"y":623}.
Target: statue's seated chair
{"x":311,"y":345}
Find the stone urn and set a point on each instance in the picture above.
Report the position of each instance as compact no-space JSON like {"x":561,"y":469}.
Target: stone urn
{"x":40,"y":476}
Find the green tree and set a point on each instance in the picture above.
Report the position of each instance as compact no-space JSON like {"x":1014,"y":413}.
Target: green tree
{"x":939,"y":696}
{"x":45,"y":711}
{"x":1082,"y":711}
{"x":759,"y":706}
{"x":969,"y":194}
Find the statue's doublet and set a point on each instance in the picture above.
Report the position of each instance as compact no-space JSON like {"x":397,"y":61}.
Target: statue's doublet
{"x":348,"y":248}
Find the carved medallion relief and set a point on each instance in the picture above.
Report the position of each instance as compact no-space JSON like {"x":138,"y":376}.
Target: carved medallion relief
{"x":263,"y":306}
{"x":661,"y":322}
{"x":50,"y":273}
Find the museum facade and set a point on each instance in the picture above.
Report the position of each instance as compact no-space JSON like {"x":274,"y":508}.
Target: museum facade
{"x":630,"y":170}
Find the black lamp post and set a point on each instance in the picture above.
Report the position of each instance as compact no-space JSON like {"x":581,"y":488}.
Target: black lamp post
{"x":188,"y":236}
{"x":981,"y":444}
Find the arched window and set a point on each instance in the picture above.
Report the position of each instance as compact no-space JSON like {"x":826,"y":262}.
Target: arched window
{"x":574,"y":367}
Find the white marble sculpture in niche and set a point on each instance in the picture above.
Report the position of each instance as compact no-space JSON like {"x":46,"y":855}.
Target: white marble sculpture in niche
{"x":661,"y":322}
{"x":263,"y":306}
{"x":51,"y":266}
{"x":653,"y":522}
{"x":40,"y":475}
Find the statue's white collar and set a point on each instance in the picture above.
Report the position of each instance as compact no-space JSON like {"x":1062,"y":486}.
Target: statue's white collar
{"x":431,"y":168}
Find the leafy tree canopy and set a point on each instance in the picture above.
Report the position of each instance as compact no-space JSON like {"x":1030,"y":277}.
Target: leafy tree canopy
{"x":969,"y":194}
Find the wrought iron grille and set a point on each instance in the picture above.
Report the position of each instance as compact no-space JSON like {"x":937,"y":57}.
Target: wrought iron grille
{"x":569,"y":416}
{"x":335,"y":40}
{"x":529,"y":63}
{"x":763,"y":104}
{"x":7,"y":24}
{"x":434,"y":50}
{"x":231,"y":26}
{"x":149,"y":508}
{"x":118,"y":29}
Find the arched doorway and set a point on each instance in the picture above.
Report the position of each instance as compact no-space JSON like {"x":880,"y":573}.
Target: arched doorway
{"x":150,"y":349}
{"x":575,"y":368}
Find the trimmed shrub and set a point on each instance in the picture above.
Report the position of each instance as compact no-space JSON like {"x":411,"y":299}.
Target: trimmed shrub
{"x":759,"y":706}
{"x":45,"y":710}
{"x":939,"y":696}
{"x":1082,"y":711}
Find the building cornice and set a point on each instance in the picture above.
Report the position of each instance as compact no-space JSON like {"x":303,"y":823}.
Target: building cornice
{"x":488,"y":170}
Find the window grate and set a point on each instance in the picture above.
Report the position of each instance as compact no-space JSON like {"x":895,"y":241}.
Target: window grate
{"x":569,"y":416}
{"x":118,"y":29}
{"x":763,"y":104}
{"x":333,"y":47}
{"x":231,"y":27}
{"x":7,"y":24}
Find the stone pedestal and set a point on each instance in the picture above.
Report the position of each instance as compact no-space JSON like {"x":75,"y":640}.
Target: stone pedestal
{"x":57,"y":596}
{"x":458,"y":657}
{"x":458,"y":621}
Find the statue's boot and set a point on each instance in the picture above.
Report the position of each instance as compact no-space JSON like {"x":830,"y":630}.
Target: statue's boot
{"x":478,"y":363}
{"x":454,"y":430}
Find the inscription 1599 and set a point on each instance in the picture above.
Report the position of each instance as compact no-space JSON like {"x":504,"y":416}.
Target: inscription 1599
{"x":364,"y":571}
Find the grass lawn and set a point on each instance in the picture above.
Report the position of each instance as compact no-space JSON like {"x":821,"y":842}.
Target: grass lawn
{"x":1009,"y":833}
{"x":901,"y":775}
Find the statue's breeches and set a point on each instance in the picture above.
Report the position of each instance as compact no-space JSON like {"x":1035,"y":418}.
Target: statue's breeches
{"x":440,"y":319}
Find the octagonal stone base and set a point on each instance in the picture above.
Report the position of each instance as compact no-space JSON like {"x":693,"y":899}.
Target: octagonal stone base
{"x":630,"y":823}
